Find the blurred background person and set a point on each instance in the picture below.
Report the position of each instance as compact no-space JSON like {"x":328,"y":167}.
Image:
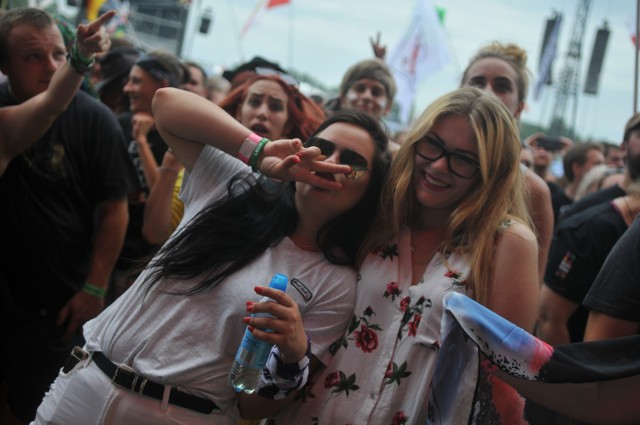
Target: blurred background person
{"x":526,"y":156}
{"x":150,"y":72}
{"x":613,"y":155}
{"x":244,"y":71}
{"x":114,"y":74}
{"x":197,"y":81}
{"x":501,"y":69}
{"x":218,"y":88}
{"x":64,"y":208}
{"x":631,"y":171}
{"x":268,"y":105}
{"x":578,"y":159}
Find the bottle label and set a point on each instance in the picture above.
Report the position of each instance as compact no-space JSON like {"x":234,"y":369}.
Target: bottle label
{"x":253,"y":352}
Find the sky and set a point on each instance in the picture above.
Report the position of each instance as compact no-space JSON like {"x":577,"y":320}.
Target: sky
{"x":323,"y":38}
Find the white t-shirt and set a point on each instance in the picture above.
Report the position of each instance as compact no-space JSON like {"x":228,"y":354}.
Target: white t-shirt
{"x":190,"y":341}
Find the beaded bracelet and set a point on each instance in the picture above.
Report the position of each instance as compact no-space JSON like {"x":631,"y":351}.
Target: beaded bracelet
{"x":81,"y":65}
{"x":94,"y":290}
{"x":253,"y":160}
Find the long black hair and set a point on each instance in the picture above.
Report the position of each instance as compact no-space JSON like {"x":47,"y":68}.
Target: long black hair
{"x":258,"y":213}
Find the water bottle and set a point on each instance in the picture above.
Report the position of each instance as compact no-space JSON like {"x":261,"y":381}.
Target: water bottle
{"x":253,"y":353}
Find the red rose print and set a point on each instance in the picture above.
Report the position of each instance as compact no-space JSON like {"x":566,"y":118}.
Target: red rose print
{"x":392,"y":290}
{"x":389,"y":371}
{"x":332,"y":380}
{"x":413,"y":326}
{"x":399,"y":419}
{"x":404,"y":303}
{"x":366,"y":339}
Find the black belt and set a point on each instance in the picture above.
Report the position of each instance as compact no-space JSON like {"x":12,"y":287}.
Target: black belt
{"x":141,"y":385}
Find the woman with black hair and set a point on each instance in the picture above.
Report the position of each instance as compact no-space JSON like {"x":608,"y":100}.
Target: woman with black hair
{"x":163,"y":350}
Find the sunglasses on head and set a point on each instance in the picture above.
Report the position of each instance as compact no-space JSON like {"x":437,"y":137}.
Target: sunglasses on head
{"x":358,"y":163}
{"x":288,"y":79}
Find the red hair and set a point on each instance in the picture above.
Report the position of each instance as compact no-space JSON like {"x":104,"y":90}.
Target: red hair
{"x":304,"y":116}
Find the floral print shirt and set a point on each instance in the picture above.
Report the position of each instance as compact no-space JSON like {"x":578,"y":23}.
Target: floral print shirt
{"x":382,"y":369}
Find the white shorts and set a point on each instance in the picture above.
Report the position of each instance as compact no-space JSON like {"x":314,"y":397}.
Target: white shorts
{"x":86,"y":396}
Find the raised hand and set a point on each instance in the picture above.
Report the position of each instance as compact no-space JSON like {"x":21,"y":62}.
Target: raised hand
{"x":379,"y":50}
{"x":289,"y":160}
{"x":92,"y":38}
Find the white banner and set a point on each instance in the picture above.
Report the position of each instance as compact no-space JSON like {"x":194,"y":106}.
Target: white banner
{"x":422,"y":51}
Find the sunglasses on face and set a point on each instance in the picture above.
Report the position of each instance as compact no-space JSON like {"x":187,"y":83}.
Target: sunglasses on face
{"x":461,"y":165}
{"x":358,"y":163}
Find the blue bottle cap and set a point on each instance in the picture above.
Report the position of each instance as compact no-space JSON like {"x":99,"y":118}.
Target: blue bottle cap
{"x":279,"y":281}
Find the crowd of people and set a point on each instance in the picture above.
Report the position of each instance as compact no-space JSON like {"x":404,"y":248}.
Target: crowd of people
{"x":147,"y":204}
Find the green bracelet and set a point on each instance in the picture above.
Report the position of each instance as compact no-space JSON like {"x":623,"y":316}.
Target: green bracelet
{"x":94,"y":290}
{"x":253,"y":160}
{"x":81,"y":65}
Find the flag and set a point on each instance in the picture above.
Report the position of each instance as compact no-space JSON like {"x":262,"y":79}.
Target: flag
{"x":119,"y":25}
{"x":548,"y":56}
{"x":93,"y":8}
{"x":257,"y":12}
{"x":631,"y":25}
{"x":422,"y":51}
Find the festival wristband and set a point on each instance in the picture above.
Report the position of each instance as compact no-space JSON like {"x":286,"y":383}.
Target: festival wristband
{"x":82,"y":66}
{"x":94,"y":290}
{"x":253,"y":160}
{"x":248,"y":146}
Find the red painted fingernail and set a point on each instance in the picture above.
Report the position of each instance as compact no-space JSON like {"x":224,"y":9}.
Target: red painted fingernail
{"x":246,"y":320}
{"x":259,"y":289}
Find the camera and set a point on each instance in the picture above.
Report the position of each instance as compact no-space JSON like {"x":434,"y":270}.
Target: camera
{"x":550,"y":144}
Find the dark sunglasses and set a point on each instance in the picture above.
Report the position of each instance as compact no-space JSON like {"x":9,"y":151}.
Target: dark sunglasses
{"x":460,"y":165}
{"x":358,"y":163}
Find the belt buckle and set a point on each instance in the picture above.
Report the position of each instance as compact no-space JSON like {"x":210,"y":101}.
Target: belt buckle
{"x":132,"y":387}
{"x":77,"y":355}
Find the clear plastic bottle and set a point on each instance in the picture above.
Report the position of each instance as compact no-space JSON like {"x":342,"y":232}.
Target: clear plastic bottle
{"x":253,"y":353}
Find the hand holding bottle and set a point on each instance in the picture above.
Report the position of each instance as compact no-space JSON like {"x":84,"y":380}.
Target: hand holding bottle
{"x":286,"y":324}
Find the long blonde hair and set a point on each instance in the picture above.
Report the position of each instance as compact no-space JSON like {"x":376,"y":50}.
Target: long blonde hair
{"x":498,"y":196}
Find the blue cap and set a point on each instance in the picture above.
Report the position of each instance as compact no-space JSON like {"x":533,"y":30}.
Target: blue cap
{"x":279,"y":281}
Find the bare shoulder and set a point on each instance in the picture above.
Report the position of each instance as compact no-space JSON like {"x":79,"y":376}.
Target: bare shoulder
{"x":517,"y":231}
{"x":536,"y":184}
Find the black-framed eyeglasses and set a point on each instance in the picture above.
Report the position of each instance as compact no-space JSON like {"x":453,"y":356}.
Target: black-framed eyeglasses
{"x":358,"y":163}
{"x":288,"y":79}
{"x":461,"y":165}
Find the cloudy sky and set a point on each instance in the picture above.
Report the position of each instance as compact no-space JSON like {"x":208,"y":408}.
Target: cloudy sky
{"x":324,"y":37}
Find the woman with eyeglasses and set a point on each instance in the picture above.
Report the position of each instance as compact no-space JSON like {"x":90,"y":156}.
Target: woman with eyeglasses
{"x":270,"y":105}
{"x":452,"y":219}
{"x":162,"y":352}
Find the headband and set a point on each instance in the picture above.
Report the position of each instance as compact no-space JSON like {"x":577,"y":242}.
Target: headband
{"x":157,"y":70}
